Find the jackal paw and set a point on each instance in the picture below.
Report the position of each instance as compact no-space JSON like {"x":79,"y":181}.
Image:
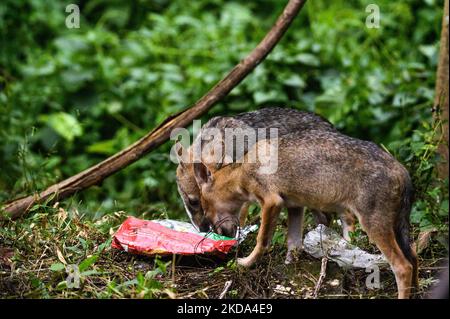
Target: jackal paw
{"x":245,"y":262}
{"x":347,"y":237}
{"x":292,"y":256}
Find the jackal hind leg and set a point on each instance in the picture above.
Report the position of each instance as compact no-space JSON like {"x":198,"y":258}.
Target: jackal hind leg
{"x":321,"y":218}
{"x":383,"y":235}
{"x":294,"y":233}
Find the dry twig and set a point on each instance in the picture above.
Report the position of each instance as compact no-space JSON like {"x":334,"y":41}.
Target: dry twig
{"x":323,"y":273}
{"x":225,"y":289}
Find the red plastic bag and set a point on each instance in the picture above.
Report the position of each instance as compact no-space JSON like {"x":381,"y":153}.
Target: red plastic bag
{"x":154,"y":237}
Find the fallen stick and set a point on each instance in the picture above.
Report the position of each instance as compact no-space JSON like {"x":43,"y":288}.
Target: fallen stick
{"x":225,"y":289}
{"x":97,"y":173}
{"x":174,"y":260}
{"x":323,"y":273}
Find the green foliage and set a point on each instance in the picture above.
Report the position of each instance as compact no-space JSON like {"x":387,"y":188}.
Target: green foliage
{"x":430,"y":210}
{"x":60,"y":239}
{"x":64,"y":124}
{"x":71,"y":97}
{"x":144,"y":286}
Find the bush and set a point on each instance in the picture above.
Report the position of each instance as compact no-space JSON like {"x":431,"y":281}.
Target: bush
{"x":71,"y":97}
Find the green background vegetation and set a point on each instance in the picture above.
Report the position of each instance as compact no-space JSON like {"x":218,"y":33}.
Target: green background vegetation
{"x":71,"y":97}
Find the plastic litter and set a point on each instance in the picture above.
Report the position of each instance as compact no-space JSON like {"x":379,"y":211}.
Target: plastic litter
{"x":322,"y":239}
{"x":165,"y":237}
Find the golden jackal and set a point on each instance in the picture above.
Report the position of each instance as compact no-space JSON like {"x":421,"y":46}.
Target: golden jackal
{"x":323,"y":170}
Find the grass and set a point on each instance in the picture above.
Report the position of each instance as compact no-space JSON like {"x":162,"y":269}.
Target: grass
{"x":35,"y":251}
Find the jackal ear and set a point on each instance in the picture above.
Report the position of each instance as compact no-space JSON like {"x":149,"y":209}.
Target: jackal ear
{"x":179,"y":153}
{"x":202,"y":174}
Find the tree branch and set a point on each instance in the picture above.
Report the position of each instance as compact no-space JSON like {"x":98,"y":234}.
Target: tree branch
{"x":161,"y":133}
{"x":441,"y":96}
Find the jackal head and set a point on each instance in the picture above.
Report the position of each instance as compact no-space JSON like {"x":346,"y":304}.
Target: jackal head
{"x":190,"y":194}
{"x":219,"y":199}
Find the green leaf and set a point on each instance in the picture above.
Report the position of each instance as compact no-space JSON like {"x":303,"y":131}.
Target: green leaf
{"x":217,"y":270}
{"x":85,"y":264}
{"x":91,"y":272}
{"x":62,"y":285}
{"x":64,"y":124}
{"x":162,"y":265}
{"x":57,"y":267}
{"x":152,"y":273}
{"x":107,"y":147}
{"x":402,"y":99}
{"x":444,"y":208}
{"x":74,"y":79}
{"x":35,"y":282}
{"x":295,"y":80}
{"x":428,"y":50}
{"x":307,"y":59}
{"x":262,"y":97}
{"x":105,"y":245}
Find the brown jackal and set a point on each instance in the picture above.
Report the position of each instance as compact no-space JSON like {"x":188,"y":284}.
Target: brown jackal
{"x":286,"y":121}
{"x":327,"y":171}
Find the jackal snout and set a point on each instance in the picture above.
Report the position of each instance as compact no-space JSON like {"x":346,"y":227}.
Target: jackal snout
{"x":220,"y":208}
{"x":226,"y":227}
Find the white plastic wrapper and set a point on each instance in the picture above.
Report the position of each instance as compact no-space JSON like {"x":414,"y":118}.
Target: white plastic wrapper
{"x":243,"y":232}
{"x":322,"y":239}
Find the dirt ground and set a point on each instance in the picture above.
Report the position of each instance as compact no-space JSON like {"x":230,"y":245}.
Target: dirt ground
{"x":35,"y":251}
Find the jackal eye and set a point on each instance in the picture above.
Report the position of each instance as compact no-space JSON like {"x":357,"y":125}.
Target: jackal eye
{"x":194,"y":202}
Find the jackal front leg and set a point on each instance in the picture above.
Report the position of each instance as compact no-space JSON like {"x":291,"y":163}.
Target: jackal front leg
{"x":269,"y":215}
{"x":243,"y":214}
